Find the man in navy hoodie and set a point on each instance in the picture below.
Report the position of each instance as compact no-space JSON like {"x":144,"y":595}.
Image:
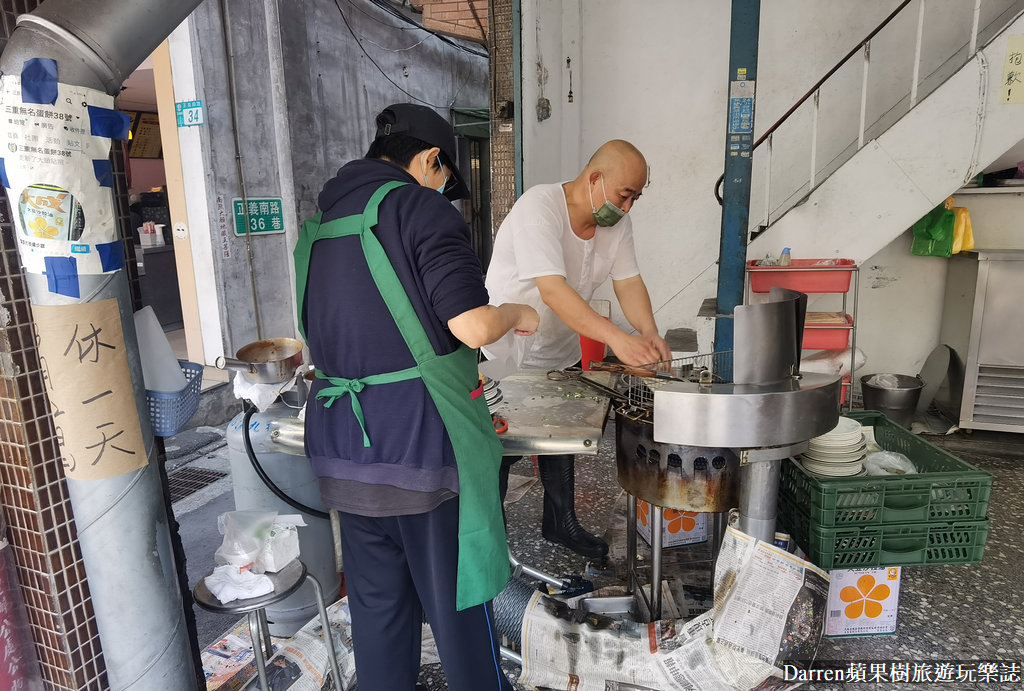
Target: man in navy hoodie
{"x":393,"y":307}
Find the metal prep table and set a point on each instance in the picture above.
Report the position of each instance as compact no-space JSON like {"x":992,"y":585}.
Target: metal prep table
{"x":544,"y":416}
{"x":547,"y":416}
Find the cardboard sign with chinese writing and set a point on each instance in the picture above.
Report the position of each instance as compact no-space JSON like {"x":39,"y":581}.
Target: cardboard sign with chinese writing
{"x":863,"y":601}
{"x":82,"y":355}
{"x":1013,"y":71}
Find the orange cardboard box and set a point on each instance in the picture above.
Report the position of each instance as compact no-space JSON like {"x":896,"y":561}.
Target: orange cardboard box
{"x":863,"y":602}
{"x":677,"y":527}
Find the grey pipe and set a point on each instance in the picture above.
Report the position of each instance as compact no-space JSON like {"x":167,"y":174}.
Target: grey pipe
{"x":759,"y":486}
{"x":122,"y":521}
{"x":519,"y":568}
{"x":108,"y":40}
{"x":510,"y":608}
{"x":229,"y":49}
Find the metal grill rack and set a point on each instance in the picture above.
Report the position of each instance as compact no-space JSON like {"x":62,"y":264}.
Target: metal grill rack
{"x":713,"y":368}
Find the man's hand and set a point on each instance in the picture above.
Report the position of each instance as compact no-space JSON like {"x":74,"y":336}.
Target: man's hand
{"x":648,"y":347}
{"x":527,"y":322}
{"x":659,"y":344}
{"x":640,"y":350}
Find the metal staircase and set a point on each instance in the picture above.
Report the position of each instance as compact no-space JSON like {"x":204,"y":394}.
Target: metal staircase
{"x":838,"y":183}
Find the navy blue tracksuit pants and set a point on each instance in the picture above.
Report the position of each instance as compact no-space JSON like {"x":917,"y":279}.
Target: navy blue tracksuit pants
{"x":396,"y":569}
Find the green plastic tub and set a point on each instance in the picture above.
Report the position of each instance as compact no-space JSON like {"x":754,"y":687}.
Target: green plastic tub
{"x":946,"y":489}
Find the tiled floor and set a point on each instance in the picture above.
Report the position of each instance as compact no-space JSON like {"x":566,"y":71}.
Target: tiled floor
{"x":947,"y":613}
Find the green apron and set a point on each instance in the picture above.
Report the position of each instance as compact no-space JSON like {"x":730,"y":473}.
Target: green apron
{"x":483,"y":567}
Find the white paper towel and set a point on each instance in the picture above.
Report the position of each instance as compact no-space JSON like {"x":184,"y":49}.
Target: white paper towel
{"x":228,"y":583}
{"x":160,"y":369}
{"x":260,"y":395}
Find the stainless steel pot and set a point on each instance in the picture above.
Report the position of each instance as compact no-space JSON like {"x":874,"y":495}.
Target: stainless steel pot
{"x":270,"y":361}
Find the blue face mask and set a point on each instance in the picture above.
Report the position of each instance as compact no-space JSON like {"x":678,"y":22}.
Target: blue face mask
{"x":609,"y":214}
{"x":423,"y":166}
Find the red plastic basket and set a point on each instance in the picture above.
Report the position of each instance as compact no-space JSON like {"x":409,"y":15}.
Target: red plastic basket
{"x":805,"y":275}
{"x":842,"y":389}
{"x":827,"y":336}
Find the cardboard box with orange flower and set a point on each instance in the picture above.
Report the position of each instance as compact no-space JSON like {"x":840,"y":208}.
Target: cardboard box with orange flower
{"x":677,"y":527}
{"x":863,"y":602}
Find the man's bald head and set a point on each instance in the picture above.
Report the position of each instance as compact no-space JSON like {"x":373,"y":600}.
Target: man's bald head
{"x":618,"y":156}
{"x":618,"y":171}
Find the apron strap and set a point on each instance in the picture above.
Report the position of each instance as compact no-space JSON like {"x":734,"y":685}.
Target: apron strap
{"x":307,"y":236}
{"x":340,"y":386}
{"x":388,"y":283}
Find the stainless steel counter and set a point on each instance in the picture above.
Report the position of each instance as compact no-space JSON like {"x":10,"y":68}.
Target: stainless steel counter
{"x":552,"y":417}
{"x":544,"y":416}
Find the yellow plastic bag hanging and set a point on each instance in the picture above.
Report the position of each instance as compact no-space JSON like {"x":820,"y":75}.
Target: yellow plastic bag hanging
{"x":963,"y":236}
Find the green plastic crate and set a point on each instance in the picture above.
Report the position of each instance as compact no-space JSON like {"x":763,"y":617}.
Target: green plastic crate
{"x":947,"y":489}
{"x":911,"y":544}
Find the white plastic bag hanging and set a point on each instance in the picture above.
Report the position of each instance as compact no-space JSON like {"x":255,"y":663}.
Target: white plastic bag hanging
{"x":245,"y":533}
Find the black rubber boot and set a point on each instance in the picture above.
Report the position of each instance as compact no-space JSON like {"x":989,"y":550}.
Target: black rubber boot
{"x":506,"y":464}
{"x":558,"y":475}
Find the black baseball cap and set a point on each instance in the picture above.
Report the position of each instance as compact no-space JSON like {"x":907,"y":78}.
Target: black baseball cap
{"x":425,"y":124}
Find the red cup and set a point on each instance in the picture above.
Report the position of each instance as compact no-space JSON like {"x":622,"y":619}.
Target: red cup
{"x":591,"y":350}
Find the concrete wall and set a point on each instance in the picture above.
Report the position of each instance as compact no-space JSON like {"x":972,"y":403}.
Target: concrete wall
{"x":655,"y":73}
{"x":306,"y":96}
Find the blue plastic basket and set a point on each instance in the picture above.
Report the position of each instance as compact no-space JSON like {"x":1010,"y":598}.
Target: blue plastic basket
{"x":169,"y":412}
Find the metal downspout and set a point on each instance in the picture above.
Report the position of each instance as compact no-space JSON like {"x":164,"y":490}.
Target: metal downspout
{"x":122,"y":521}
{"x":229,"y":49}
{"x":738,"y":158}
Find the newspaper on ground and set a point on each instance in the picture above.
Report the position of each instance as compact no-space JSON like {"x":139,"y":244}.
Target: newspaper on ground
{"x":299,"y":663}
{"x":769,"y":610}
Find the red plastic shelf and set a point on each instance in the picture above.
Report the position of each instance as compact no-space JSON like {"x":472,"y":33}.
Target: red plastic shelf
{"x":828,"y":336}
{"x":805,"y":275}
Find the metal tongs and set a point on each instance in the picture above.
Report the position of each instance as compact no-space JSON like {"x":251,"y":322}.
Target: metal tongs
{"x":646,"y":372}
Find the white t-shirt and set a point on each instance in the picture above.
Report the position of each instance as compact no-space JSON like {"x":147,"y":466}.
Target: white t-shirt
{"x":535,"y":239}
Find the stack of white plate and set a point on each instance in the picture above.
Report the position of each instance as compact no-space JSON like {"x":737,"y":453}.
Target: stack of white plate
{"x":492,"y":394}
{"x":837,"y":453}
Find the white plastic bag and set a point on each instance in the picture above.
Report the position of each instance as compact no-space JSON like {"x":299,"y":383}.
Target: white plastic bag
{"x":282,"y":543}
{"x":888,"y":463}
{"x":245,"y":533}
{"x":885,"y":381}
{"x":836,"y":362}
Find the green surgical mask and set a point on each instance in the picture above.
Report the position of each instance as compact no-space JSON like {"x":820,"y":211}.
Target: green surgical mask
{"x":609,"y":214}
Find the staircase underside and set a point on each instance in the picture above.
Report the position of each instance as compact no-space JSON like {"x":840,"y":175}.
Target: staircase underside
{"x":894,"y":180}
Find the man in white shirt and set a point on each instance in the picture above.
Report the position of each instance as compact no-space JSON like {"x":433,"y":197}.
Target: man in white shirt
{"x":556,"y":246}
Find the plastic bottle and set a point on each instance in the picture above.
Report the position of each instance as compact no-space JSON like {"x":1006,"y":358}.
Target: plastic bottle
{"x":785,"y":259}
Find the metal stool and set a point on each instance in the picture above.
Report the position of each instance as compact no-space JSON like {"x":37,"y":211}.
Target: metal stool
{"x":286,"y":581}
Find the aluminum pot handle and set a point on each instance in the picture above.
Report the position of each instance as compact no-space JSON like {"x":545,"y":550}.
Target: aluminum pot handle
{"x":230,"y":363}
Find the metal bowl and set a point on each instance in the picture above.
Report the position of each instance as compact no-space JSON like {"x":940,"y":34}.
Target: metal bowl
{"x":270,"y":361}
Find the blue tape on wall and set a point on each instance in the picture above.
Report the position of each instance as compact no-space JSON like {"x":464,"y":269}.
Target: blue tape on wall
{"x":104,"y":122}
{"x":103,"y":171}
{"x":62,"y":276}
{"x":111,"y":255}
{"x":3,"y":174}
{"x":39,"y":81}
